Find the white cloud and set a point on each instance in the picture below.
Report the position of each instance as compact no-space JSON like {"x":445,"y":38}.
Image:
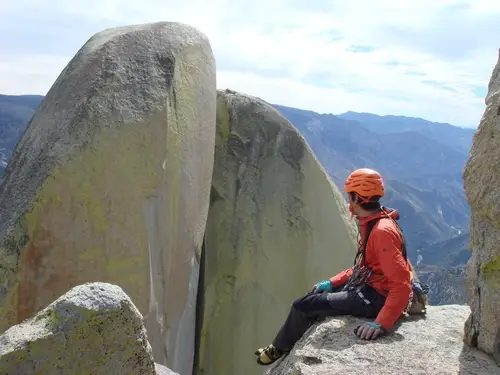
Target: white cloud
{"x":30,"y":74}
{"x":427,"y":59}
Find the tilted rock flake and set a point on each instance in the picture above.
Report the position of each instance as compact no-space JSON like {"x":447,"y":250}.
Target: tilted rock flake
{"x":276,"y":225}
{"x":111,"y":182}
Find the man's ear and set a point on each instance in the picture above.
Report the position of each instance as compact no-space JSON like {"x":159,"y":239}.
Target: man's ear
{"x":355,"y":199}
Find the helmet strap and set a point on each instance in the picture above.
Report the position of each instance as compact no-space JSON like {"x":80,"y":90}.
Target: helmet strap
{"x":363,"y":200}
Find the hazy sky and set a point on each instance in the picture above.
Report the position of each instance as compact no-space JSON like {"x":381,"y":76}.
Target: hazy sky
{"x":426,"y":58}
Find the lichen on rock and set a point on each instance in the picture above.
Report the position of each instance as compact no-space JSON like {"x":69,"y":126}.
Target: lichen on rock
{"x":93,"y":329}
{"x":492,"y":267}
{"x":482,"y":187}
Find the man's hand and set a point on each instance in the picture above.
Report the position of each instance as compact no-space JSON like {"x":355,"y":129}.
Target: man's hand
{"x":323,"y":286}
{"x":369,"y":331}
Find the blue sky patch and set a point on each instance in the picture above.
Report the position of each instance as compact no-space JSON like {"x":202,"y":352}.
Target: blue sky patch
{"x":358,"y":48}
{"x":438,"y":85}
{"x":480,"y":91}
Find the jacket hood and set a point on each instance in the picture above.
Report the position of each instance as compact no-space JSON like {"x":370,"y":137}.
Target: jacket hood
{"x":385,"y":212}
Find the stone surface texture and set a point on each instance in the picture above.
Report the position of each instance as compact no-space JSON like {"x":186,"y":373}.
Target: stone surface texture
{"x":93,"y":329}
{"x":430,"y":346}
{"x":482,"y":187}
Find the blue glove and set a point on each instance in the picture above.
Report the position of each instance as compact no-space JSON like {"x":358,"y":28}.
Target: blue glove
{"x":323,"y":286}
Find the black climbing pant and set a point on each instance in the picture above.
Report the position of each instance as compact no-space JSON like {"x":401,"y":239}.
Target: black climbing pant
{"x":312,"y":307}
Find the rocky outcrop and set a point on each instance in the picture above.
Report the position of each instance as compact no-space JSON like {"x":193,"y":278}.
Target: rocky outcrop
{"x":276,"y":225}
{"x":431,"y":345}
{"x":93,"y":329}
{"x":482,"y":187}
{"x":111,"y":182}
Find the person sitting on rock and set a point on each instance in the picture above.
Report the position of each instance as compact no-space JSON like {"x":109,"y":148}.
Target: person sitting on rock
{"x":379,"y":285}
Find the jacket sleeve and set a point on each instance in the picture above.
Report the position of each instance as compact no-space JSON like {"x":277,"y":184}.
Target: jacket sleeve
{"x":341,"y":278}
{"x":387,"y":246}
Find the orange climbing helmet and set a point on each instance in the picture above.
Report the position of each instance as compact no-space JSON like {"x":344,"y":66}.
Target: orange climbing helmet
{"x":365,"y":182}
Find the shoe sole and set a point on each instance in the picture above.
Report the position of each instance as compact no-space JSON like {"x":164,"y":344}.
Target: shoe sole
{"x":265,"y":364}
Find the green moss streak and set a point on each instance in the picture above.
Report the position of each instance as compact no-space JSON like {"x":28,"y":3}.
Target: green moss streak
{"x":492,"y":267}
{"x":222,"y":122}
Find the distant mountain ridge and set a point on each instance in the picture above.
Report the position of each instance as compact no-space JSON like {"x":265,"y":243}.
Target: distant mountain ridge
{"x":15,"y":113}
{"x":450,"y":135}
{"x":453,"y":252}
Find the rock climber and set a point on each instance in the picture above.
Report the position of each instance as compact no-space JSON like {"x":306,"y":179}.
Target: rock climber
{"x":378,"y":286}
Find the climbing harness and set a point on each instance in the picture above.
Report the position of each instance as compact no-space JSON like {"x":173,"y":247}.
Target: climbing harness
{"x":361,"y":275}
{"x":361,"y":272}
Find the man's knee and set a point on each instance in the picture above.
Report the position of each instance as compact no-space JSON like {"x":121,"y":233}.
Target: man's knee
{"x":307,"y":303}
{"x":298,"y":303}
{"x":339,"y":303}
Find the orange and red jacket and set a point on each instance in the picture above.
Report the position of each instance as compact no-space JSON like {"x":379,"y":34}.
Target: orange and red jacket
{"x":392,"y":275}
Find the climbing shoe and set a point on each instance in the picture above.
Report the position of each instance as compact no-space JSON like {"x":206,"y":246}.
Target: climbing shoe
{"x":268,"y":355}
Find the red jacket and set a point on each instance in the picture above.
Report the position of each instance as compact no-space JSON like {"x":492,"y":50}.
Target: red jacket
{"x":384,"y":256}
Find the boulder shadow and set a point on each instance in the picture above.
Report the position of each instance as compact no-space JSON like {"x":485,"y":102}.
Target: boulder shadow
{"x":475,"y":362}
{"x":408,"y":319}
